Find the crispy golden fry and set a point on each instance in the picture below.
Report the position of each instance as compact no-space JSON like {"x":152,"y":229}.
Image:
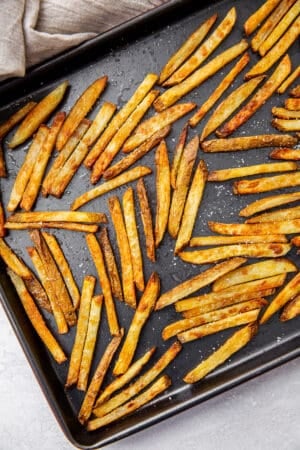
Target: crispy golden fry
{"x":292,"y":104}
{"x":285,"y":153}
{"x":280,"y":227}
{"x":15,"y":118}
{"x":266,"y":184}
{"x":119,"y":119}
{"x":220,"y":314}
{"x":80,"y":109}
{"x":286,"y":124}
{"x":248,"y":142}
{"x":287,"y":293}
{"x":122,"y":380}
{"x":283,"y":113}
{"x":288,"y":81}
{"x":155,"y":123}
{"x":98,"y":378}
{"x":3,"y":172}
{"x":254,"y":21}
{"x":191,"y":206}
{"x":237,"y":341}
{"x":97,"y":256}
{"x":124,"y":250}
{"x":192,"y":285}
{"x":149,"y":394}
{"x":58,"y":216}
{"x":182,"y":185}
{"x":274,"y":216}
{"x":133,"y":239}
{"x":38,"y":115}
{"x":237,"y":172}
{"x":192,"y":42}
{"x":268,"y":203}
{"x":13,"y":261}
{"x":36,"y":319}
{"x":26,"y":169}
{"x":86,"y":228}
{"x":163,"y":191}
{"x":258,"y":99}
{"x":141,"y":315}
{"x":2,"y":219}
{"x":90,"y":342}
{"x":202,"y":241}
{"x":63,"y":266}
{"x":171,"y":95}
{"x":255,"y":271}
{"x":178,"y":154}
{"x":143,"y":381}
{"x":229,"y":105}
{"x":295,"y":92}
{"x":64,"y":154}
{"x":121,"y":135}
{"x":38,"y":293}
{"x":220,"y":89}
{"x":59,"y":317}
{"x":136,"y":154}
{"x":125,"y":177}
{"x":111,"y":265}
{"x":291,"y":309}
{"x":296,"y":241}
{"x":88,"y":287}
{"x":280,"y":28}
{"x":146,"y":219}
{"x":206,"y":49}
{"x":218,"y":325}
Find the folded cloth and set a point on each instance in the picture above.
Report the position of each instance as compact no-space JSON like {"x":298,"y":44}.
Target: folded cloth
{"x":35,"y":30}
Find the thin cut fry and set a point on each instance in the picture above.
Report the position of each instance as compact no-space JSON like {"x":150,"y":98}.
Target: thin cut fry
{"x":295,"y":92}
{"x":291,"y":309}
{"x":248,"y":142}
{"x":258,"y":99}
{"x":292,"y":104}
{"x":36,"y":319}
{"x":15,"y":118}
{"x":238,"y":172}
{"x":178,"y":154}
{"x":289,"y":80}
{"x":285,"y":153}
{"x":237,"y":341}
{"x":286,"y":124}
{"x":266,"y":184}
{"x":13,"y":261}
{"x":141,"y":315}
{"x":202,"y":241}
{"x":259,"y":16}
{"x":274,"y":216}
{"x":111,"y":264}
{"x":38,"y":115}
{"x":86,"y":228}
{"x":146,"y":219}
{"x":192,"y":285}
{"x":281,"y":227}
{"x":58,"y":216}
{"x":163,"y":191}
{"x":283,"y":113}
{"x":38,"y":293}
{"x":3,"y":172}
{"x":268,"y":203}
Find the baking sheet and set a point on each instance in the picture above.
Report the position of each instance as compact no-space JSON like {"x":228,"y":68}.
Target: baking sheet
{"x":150,"y":39}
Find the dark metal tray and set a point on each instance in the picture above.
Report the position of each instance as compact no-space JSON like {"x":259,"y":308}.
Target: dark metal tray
{"x":126,"y":54}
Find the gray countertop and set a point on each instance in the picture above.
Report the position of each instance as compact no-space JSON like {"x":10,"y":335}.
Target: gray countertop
{"x":261,"y":414}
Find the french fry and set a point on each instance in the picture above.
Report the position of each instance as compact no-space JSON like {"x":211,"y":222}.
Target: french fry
{"x":26,"y":169}
{"x":206,"y":49}
{"x":15,"y":118}
{"x":38,"y":293}
{"x":178,"y":155}
{"x":98,"y":378}
{"x":90,"y":342}
{"x":296,"y":241}
{"x":182,"y":185}
{"x":86,"y":228}
{"x":3,"y":172}
{"x":38,"y":115}
{"x":202,"y":241}
{"x":146,"y":219}
{"x":97,"y":256}
{"x":155,"y":123}
{"x":133,"y":239}
{"x":119,"y":119}
{"x":182,"y":325}
{"x":2,"y":219}
{"x":274,"y":216}
{"x":248,"y":142}
{"x":64,"y":267}
{"x":269,"y":202}
{"x":292,"y":104}
{"x":111,"y":264}
{"x":289,"y":80}
{"x":232,"y":345}
{"x":258,"y":185}
{"x":163,"y":191}
{"x":295,"y":92}
{"x":280,"y":28}
{"x":195,"y":283}
{"x":283,"y":113}
{"x":171,"y":95}
{"x":229,"y":105}
{"x":254,"y":21}
{"x":218,"y":325}
{"x":291,"y":309}
{"x":141,"y":315}
{"x":80,"y":109}
{"x":191,"y":207}
{"x":123,"y":178}
{"x":13,"y":261}
{"x":136,"y":154}
{"x":144,"y":380}
{"x":258,"y":99}
{"x":288,"y":292}
{"x":238,"y":172}
{"x":36,"y":319}
{"x":149,"y":394}
{"x":124,"y":250}
{"x":182,"y":54}
{"x":88,"y":287}
{"x":255,"y":271}
{"x":58,"y":216}
{"x":281,"y":227}
{"x":286,"y":124}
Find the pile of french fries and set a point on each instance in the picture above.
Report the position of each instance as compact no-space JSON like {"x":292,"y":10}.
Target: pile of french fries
{"x":238,"y":292}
